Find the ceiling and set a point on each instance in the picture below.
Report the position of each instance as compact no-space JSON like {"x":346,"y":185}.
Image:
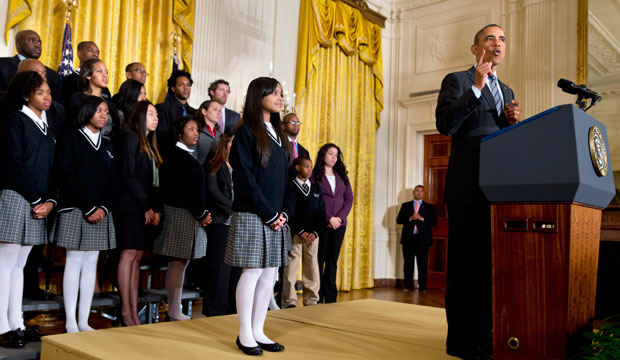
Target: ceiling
{"x":604,"y":44}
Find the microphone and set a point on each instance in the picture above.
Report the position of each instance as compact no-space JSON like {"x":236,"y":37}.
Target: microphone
{"x":581,"y":91}
{"x":569,"y":87}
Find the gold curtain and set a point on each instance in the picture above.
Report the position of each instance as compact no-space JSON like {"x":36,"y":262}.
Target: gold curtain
{"x":340,"y":97}
{"x":125,"y":31}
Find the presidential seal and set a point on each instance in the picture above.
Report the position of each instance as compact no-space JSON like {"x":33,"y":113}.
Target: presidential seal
{"x":598,"y":151}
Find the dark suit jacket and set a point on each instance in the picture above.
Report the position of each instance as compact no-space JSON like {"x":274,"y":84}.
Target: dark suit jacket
{"x":467,"y":119}
{"x":301,"y":152}
{"x":425,"y":228}
{"x":8,"y":68}
{"x":167,"y":113}
{"x":232,"y":117}
{"x":339,"y":203}
{"x":136,"y":178}
{"x":219,"y":192}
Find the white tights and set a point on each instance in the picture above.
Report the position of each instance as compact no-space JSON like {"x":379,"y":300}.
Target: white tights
{"x":254,"y":291}
{"x":273,"y":304}
{"x":12,"y":261}
{"x":79,"y":276}
{"x":174,"y":288}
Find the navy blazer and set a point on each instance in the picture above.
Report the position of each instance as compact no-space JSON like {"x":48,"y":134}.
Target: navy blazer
{"x":232,"y":117}
{"x":466,"y":119}
{"x":8,"y":68}
{"x":425,"y":228}
{"x":339,"y":203}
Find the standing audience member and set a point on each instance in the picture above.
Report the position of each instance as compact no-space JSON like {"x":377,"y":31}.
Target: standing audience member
{"x":183,"y":190}
{"x":139,"y":204}
{"x":309,"y":218}
{"x":28,"y":45}
{"x":330,"y":174}
{"x":207,"y":116}
{"x":136,"y":71}
{"x":93,"y":79}
{"x":219,"y":90}
{"x":130,"y":92}
{"x":418,"y":219}
{"x":472,"y":104}
{"x":84,"y":226}
{"x":26,"y":197}
{"x":258,"y":239}
{"x":219,"y":279}
{"x":174,"y":108}
{"x":86,"y":50}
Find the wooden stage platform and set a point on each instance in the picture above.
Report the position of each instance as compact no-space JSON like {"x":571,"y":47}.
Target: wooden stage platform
{"x":361,"y":329}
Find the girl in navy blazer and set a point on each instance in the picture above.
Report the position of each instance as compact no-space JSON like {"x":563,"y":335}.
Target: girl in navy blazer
{"x":330,"y":174}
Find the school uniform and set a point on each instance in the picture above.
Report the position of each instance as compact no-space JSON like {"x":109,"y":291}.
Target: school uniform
{"x":218,"y":280}
{"x":183,"y":193}
{"x":86,"y":165}
{"x":138,"y":193}
{"x":27,"y":162}
{"x":112,"y":128}
{"x":309,"y":217}
{"x":260,"y":198}
{"x":168,"y":113}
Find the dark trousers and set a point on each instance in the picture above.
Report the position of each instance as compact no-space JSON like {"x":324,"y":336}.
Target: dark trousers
{"x":330,"y":242}
{"x":468,"y":280}
{"x":216,"y":280}
{"x":31,"y":270}
{"x":412,"y":250}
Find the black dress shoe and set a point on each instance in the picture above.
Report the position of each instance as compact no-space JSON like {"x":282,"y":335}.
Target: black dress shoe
{"x":275,"y":347}
{"x":32,"y":334}
{"x":249,"y":350}
{"x":11,"y":339}
{"x":38,"y":295}
{"x":468,"y":354}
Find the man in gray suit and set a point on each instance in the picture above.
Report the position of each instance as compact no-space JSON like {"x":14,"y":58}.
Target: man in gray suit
{"x":471,"y":105}
{"x":219,"y":91}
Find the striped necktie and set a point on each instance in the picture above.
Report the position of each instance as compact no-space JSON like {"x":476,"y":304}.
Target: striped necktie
{"x":496,"y":96}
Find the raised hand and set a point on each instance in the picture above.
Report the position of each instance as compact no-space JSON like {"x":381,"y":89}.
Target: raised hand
{"x":484,"y":69}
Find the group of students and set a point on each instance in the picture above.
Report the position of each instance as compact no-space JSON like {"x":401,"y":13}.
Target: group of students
{"x":113,"y":176}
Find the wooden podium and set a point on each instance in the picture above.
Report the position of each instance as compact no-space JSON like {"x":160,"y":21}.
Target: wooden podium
{"x":547,"y":179}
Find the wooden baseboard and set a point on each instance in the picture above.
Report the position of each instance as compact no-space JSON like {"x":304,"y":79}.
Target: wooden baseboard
{"x":392,"y":283}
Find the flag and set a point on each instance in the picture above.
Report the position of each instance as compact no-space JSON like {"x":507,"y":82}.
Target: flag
{"x":66,"y":59}
{"x":175,"y":67}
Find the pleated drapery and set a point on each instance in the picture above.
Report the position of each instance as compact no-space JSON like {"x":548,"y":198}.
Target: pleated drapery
{"x":339,"y":100}
{"x":126,"y":31}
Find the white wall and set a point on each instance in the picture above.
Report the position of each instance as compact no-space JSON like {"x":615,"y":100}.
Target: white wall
{"x":240,"y":40}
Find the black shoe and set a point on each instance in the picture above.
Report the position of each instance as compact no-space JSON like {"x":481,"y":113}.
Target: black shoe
{"x":32,"y":334}
{"x":38,"y":295}
{"x":253,"y":350}
{"x":468,"y":354}
{"x":275,"y":347}
{"x":291,"y":306}
{"x":11,"y":339}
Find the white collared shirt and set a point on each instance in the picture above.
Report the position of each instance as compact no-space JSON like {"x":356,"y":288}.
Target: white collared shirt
{"x":182,"y":146}
{"x":40,"y":122}
{"x":94,"y":137}
{"x":223,"y":119}
{"x":307,"y":182}
{"x":478,"y":93}
{"x":271,"y":130}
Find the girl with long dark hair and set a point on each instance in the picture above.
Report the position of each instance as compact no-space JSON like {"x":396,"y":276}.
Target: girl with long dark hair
{"x":331,"y":175}
{"x":139,"y":205}
{"x":130,"y":92}
{"x":259,"y":237}
{"x":27,"y":196}
{"x":84,"y":226}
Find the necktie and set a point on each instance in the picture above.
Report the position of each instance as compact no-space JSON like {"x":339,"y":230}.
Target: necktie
{"x":496,"y":95}
{"x":184,"y":110}
{"x":221,"y":123}
{"x":305,"y":187}
{"x":294,"y":149}
{"x":417,"y":207}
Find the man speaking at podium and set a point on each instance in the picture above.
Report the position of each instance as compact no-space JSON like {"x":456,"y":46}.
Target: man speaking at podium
{"x":471,"y":105}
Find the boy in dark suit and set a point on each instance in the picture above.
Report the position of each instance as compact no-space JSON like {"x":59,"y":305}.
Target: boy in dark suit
{"x":309,"y":217}
{"x":418,"y":219}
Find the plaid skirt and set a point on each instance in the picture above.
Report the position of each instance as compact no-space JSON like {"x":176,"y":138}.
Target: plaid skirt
{"x":253,"y":244}
{"x":181,"y":235}
{"x":72,"y":231}
{"x":17,"y":225}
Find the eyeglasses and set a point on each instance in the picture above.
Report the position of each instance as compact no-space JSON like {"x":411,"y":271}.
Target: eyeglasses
{"x":140,"y":71}
{"x":293,"y":122}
